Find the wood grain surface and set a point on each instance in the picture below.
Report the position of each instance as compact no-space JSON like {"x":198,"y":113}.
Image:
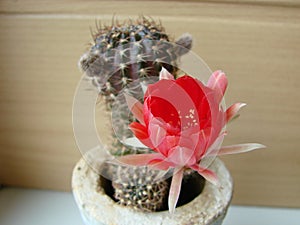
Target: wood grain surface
{"x":257,"y":43}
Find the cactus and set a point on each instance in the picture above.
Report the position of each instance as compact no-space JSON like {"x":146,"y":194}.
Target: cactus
{"x":143,"y":189}
{"x":119,"y":55}
{"x":138,"y":187}
{"x":122,"y":53}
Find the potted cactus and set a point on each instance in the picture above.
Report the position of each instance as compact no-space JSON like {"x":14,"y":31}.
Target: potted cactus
{"x":160,"y":165}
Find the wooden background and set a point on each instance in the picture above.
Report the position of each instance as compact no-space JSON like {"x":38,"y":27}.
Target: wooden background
{"x":257,"y":43}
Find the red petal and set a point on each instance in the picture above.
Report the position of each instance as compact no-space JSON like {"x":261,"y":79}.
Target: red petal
{"x":139,"y":130}
{"x":233,"y":110}
{"x":166,"y":99}
{"x":161,"y":108}
{"x":198,"y":93}
{"x":141,"y":133}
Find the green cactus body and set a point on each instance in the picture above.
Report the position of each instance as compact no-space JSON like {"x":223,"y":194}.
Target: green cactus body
{"x":125,"y":52}
{"x":138,"y":187}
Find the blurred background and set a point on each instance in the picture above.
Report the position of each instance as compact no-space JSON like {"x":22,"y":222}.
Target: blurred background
{"x":256,"y":42}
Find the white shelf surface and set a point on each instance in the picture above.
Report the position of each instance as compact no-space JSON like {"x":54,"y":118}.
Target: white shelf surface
{"x":38,"y":207}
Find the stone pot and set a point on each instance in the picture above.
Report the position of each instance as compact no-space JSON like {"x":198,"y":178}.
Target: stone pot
{"x":97,"y":208}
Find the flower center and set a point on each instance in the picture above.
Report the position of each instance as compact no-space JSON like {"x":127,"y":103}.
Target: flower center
{"x":188,"y":119}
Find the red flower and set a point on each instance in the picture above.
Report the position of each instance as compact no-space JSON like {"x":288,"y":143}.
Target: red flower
{"x":182,"y":120}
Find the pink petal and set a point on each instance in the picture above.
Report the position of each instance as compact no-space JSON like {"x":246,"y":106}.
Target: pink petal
{"x":206,"y":173}
{"x":215,"y":147}
{"x":156,"y":131}
{"x":135,"y":107}
{"x":138,"y":159}
{"x":164,"y":74}
{"x":181,"y":156}
{"x":218,"y":81}
{"x":175,"y":189}
{"x":160,"y":164}
{"x":239,"y":148}
{"x":201,"y":147}
{"x":233,"y":110}
{"x":134,"y":142}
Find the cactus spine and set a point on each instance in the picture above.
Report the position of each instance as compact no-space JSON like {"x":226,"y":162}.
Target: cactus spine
{"x":122,"y":53}
{"x":137,"y":187}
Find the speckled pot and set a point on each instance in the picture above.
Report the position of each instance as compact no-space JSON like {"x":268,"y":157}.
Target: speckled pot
{"x":96,"y":208}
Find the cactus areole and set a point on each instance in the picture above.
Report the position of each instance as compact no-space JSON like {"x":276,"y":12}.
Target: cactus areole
{"x":133,"y":50}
